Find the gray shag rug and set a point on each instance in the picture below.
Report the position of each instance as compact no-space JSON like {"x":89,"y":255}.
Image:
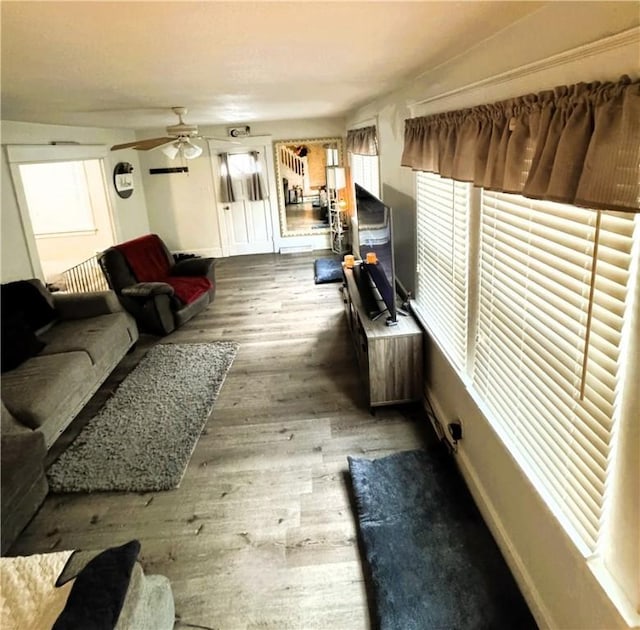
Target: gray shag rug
{"x":432,"y":561}
{"x":143,"y":437}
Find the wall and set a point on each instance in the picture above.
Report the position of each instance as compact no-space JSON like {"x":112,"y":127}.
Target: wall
{"x":130,"y":215}
{"x":184,"y":209}
{"x":561,"y":589}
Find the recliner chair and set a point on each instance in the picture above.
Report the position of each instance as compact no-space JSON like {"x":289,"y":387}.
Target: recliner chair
{"x":160,"y":290}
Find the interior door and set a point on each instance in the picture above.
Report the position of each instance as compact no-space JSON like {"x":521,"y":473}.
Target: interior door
{"x":246,"y":226}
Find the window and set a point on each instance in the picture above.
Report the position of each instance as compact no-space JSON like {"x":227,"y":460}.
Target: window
{"x":365,"y":171}
{"x":543,"y":351}
{"x":57,"y":195}
{"x":243,"y":171}
{"x":441,"y":294}
{"x":547,"y":356}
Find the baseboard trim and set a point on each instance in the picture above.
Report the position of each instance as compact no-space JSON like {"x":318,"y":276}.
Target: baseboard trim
{"x":214,"y":252}
{"x":494,"y":523}
{"x":296,"y":249}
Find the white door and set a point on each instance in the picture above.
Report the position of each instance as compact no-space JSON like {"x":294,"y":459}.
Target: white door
{"x":246,"y":226}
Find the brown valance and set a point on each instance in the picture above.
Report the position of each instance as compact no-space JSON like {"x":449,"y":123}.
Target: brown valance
{"x":363,"y":141}
{"x":577,"y":144}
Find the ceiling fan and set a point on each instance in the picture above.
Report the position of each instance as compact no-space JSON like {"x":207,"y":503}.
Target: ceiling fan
{"x":177,"y":141}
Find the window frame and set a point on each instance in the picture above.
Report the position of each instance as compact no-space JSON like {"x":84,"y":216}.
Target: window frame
{"x":38,"y":153}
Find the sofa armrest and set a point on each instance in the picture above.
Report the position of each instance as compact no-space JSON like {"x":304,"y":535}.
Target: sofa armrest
{"x":81,"y":305}
{"x":9,"y":424}
{"x":193,"y":267}
{"x":147,"y":289}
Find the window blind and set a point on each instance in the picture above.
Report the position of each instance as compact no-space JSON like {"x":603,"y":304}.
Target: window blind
{"x":442,"y":253}
{"x":365,"y":171}
{"x":536,"y":278}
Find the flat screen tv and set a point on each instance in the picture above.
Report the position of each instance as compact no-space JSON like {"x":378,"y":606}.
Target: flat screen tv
{"x":375,"y":234}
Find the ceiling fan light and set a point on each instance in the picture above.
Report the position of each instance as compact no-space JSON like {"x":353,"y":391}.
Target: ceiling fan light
{"x":171,"y":150}
{"x":191,"y":151}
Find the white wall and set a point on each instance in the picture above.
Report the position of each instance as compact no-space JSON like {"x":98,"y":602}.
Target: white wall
{"x":130,"y":215}
{"x":183,"y":208}
{"x":559,"y":586}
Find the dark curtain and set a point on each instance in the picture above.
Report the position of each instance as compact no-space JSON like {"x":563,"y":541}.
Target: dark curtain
{"x":227,"y":191}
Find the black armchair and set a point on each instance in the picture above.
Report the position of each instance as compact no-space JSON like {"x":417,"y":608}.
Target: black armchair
{"x":162,"y":293}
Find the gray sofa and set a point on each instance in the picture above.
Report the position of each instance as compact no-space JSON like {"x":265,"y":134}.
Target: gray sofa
{"x":88,"y":335}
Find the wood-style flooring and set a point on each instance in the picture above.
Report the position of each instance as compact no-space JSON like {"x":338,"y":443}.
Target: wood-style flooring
{"x":260,"y":533}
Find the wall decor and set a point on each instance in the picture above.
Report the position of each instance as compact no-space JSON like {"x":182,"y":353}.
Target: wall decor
{"x":301,"y":175}
{"x":172,"y":169}
{"x":123,"y":179}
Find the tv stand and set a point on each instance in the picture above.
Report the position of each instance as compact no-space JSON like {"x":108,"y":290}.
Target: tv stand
{"x":389,"y":357}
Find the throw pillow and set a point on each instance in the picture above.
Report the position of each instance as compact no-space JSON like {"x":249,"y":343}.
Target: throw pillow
{"x":99,"y":591}
{"x":18,"y":342}
{"x":25,"y":298}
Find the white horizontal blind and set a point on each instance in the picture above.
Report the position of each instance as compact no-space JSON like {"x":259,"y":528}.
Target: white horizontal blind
{"x":535,"y":276}
{"x":441,"y":293}
{"x":365,"y":171}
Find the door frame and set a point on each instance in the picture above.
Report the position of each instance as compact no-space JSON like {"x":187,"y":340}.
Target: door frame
{"x":263,"y":144}
{"x":18,"y":154}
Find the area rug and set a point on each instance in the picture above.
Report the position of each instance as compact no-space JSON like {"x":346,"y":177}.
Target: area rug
{"x":432,"y":561}
{"x":327,"y":270}
{"x":143,"y":437}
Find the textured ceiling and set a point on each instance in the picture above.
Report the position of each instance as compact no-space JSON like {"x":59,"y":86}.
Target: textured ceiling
{"x":124,"y":64}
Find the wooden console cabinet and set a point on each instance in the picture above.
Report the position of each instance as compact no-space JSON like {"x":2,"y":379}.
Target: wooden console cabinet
{"x":389,"y":357}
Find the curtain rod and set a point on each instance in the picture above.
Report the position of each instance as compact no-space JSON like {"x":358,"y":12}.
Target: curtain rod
{"x":367,"y":122}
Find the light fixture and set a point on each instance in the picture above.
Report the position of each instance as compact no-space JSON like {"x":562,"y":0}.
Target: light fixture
{"x":190,"y":150}
{"x":185,"y":147}
{"x":171,"y":150}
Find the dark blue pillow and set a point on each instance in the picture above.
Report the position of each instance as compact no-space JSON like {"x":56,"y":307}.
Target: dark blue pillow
{"x":18,"y":342}
{"x":25,"y":299}
{"x":97,"y":596}
{"x":327,"y":270}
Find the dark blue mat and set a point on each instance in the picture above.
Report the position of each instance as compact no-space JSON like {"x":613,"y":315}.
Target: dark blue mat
{"x":433,"y":563}
{"x":327,"y":270}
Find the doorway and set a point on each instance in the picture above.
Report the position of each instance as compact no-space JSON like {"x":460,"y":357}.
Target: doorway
{"x":69,"y":212}
{"x":66,"y":210}
{"x":245,"y":210}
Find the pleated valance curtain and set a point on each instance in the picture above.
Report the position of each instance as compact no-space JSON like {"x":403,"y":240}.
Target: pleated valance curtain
{"x":363,"y":141}
{"x":577,"y":144}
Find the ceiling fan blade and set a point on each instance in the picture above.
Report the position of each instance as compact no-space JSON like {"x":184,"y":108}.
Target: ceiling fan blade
{"x":143,"y":145}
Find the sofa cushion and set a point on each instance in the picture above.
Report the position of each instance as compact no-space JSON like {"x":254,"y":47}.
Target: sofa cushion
{"x":47,"y":386}
{"x":188,"y":289}
{"x":18,"y":342}
{"x":100,"y":337}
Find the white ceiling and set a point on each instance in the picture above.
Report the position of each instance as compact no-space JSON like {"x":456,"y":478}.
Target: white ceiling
{"x":124,"y":64}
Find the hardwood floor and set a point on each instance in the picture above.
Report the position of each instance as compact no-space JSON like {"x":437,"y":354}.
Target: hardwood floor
{"x":260,"y":533}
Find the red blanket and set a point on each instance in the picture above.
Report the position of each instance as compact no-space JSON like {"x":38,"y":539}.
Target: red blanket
{"x":149,"y":263}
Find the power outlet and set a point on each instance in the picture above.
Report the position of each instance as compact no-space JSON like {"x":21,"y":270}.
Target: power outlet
{"x":455,"y":430}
